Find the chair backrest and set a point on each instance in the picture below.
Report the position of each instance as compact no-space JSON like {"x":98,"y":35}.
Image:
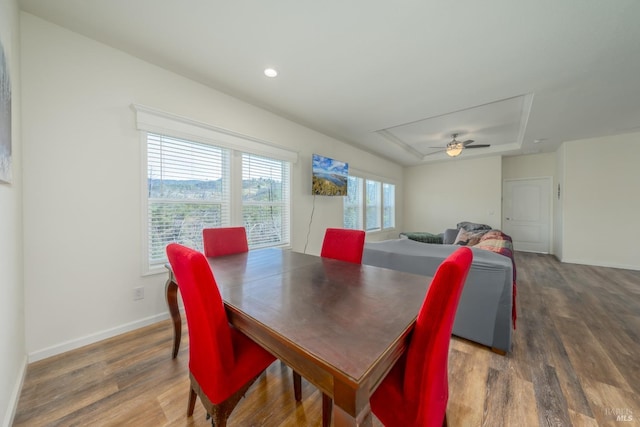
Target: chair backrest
{"x":224,"y":241}
{"x":343,"y":244}
{"x":426,"y":371}
{"x":210,"y":343}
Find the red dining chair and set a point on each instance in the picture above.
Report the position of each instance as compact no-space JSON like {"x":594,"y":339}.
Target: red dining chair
{"x":416,"y":390}
{"x":343,"y":244}
{"x":223,"y":362}
{"x":224,"y":241}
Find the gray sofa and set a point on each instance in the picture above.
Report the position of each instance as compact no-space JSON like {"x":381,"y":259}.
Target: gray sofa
{"x":485,"y":311}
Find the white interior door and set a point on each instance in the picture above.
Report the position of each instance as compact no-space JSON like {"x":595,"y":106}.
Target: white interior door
{"x":526,"y":208}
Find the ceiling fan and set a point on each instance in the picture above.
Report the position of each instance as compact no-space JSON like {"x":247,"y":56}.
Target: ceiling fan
{"x":455,"y":147}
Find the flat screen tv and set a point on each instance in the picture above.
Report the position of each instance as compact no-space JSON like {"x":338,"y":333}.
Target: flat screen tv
{"x":329,"y":177}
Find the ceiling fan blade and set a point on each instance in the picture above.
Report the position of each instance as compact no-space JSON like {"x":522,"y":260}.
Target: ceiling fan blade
{"x":478,"y":146}
{"x":467,"y":142}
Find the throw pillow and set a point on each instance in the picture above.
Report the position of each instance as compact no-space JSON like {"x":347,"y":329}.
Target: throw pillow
{"x":469,"y":238}
{"x":449,"y":236}
{"x":473,"y":226}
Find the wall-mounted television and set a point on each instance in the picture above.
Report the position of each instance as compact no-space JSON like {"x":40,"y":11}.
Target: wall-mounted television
{"x":329,"y":176}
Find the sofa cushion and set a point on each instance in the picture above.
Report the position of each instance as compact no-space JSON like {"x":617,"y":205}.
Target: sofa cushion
{"x":422,"y":237}
{"x":449,"y":236}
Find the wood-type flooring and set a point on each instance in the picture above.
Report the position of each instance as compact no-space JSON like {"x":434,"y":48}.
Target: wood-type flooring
{"x":575,"y":361}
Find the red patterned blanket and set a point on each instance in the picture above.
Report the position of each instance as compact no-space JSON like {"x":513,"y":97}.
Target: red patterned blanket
{"x":498,"y":242}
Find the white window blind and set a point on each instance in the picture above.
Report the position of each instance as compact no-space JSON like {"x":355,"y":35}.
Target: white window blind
{"x":373,"y":205}
{"x":265,"y":200}
{"x":195,"y":178}
{"x":352,"y":210}
{"x":188,"y":190}
{"x":369,"y":205}
{"x":388,"y":205}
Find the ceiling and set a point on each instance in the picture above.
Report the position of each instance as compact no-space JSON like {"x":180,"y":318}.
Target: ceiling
{"x":396,"y":78}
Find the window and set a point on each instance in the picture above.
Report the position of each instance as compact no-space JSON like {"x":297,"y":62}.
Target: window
{"x":188,"y":186}
{"x":389,"y":205}
{"x":369,"y":204}
{"x":197,"y":175}
{"x":265,"y":200}
{"x":352,"y":211}
{"x":373,"y":205}
{"x":188,"y":190}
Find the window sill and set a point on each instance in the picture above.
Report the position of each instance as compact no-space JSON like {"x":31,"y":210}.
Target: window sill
{"x":154,"y":270}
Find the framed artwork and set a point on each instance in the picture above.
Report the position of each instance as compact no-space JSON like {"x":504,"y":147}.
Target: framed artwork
{"x":329,"y":177}
{"x":5,"y":118}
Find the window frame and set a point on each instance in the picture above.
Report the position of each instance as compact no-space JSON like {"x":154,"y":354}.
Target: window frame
{"x":374,"y":204}
{"x":178,"y":163}
{"x":362,"y":211}
{"x":357,"y":205}
{"x":154,"y":121}
{"x":393,"y":206}
{"x":284,"y":205}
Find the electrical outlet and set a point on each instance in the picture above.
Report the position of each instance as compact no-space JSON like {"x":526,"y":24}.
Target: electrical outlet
{"x":138,"y":293}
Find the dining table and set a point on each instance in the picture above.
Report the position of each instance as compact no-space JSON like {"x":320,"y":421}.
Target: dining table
{"x":340,"y":325}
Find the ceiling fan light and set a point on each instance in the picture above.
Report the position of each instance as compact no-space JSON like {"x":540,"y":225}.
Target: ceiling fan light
{"x":454,"y":149}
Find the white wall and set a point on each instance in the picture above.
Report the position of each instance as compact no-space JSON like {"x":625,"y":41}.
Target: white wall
{"x":82,"y":172}
{"x":439,"y":195}
{"x":12,"y":329}
{"x":529,"y":166}
{"x":601,"y":206}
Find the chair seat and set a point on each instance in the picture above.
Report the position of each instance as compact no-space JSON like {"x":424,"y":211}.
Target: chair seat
{"x":251,"y":360}
{"x":388,"y":402}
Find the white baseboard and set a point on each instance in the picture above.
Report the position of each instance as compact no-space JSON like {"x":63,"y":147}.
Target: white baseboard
{"x":92,"y":338}
{"x":600,"y":264}
{"x":12,"y":405}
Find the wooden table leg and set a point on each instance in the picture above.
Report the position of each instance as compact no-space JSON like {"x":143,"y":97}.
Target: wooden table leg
{"x":341,"y":418}
{"x":351,"y":406}
{"x":172,"y":301}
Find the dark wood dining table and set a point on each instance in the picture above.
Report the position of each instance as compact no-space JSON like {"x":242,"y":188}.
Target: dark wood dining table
{"x":340,"y":325}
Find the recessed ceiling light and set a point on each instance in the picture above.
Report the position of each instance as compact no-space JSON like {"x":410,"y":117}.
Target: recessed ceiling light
{"x":270,"y":72}
{"x":538,"y":141}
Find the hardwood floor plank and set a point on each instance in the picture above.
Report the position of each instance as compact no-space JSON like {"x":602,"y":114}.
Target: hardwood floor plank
{"x":587,"y":355}
{"x":629,"y":367}
{"x":610,"y":402}
{"x":552,"y":405}
{"x":468,"y":371}
{"x":519,"y":357}
{"x":173,"y":401}
{"x":509,"y":400}
{"x":49,"y":400}
{"x":574,"y":361}
{"x":580,"y":420}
